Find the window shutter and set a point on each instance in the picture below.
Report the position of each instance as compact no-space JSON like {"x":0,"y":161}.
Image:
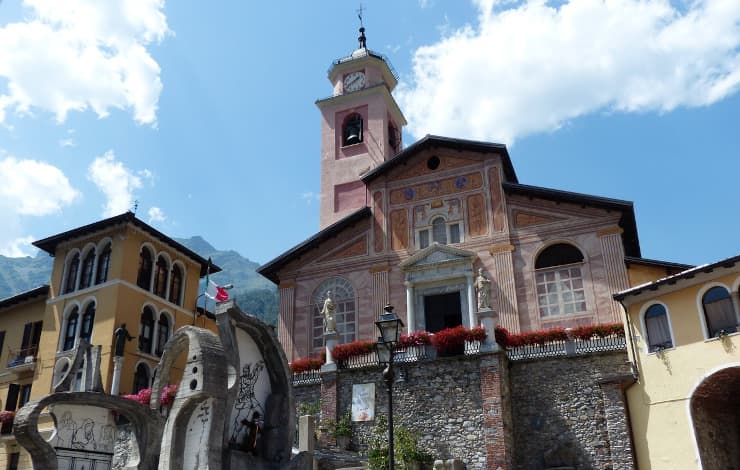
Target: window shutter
{"x":26,"y":335}
{"x":12,"y":402}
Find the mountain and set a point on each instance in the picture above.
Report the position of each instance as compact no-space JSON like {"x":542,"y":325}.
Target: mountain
{"x":253,"y":293}
{"x":21,"y":274}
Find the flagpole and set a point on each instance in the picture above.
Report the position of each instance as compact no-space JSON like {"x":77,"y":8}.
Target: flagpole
{"x":205,"y":289}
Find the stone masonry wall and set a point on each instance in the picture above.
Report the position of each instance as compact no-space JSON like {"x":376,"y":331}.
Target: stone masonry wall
{"x":441,"y":400}
{"x":552,"y":412}
{"x":565,"y":410}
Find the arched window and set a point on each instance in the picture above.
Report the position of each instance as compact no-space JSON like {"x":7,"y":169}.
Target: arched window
{"x":144,"y":278}
{"x":352,"y":130}
{"x":560,"y":280}
{"x":345,"y":300}
{"x":160,"y":277}
{"x":86,"y":275}
{"x":146,"y":330}
{"x":442,"y":232}
{"x":176,"y":284}
{"x":163,"y":333}
{"x":88,"y":320}
{"x":657,"y":330}
{"x":719,"y":312}
{"x":141,"y":378}
{"x":70,"y":332}
{"x":70,"y":282}
{"x":103,"y":264}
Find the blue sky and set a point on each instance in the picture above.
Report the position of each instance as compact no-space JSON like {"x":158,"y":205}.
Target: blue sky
{"x":205,"y":113}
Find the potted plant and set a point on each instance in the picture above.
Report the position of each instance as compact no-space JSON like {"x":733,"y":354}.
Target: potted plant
{"x":342,"y":431}
{"x":450,"y":341}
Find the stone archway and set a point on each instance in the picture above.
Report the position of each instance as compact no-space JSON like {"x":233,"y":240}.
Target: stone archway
{"x":715,"y":412}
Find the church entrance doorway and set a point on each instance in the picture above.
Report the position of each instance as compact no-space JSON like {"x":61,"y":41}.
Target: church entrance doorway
{"x":715,"y":411}
{"x":442,"y":311}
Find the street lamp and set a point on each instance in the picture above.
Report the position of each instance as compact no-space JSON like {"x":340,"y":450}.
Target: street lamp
{"x":389,"y":327}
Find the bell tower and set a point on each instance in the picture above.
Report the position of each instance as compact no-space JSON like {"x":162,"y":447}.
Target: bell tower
{"x":361,"y":128}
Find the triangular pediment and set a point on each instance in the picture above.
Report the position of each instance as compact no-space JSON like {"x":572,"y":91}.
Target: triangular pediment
{"x":436,"y":255}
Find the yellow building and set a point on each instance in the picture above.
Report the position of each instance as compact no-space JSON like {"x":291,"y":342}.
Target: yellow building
{"x":112,"y":272}
{"x":683,"y":340}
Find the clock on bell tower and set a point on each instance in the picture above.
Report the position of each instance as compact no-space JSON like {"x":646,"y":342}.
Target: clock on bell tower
{"x":360,"y":128}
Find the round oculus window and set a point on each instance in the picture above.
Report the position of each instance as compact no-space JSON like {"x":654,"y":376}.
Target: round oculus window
{"x":433,"y":162}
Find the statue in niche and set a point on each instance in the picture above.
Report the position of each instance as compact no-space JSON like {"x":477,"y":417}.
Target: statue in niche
{"x":483,"y":286}
{"x":328,"y":311}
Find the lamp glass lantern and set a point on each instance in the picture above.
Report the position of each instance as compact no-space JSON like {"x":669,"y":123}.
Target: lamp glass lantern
{"x":389,"y":326}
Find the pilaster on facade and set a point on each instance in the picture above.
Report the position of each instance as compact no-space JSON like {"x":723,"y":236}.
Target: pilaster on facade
{"x":286,"y":292}
{"x":612,"y":250}
{"x":380,"y":288}
{"x":497,"y":417}
{"x":504,"y":286}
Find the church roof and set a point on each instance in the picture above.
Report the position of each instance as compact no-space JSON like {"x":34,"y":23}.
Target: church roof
{"x":435,"y":141}
{"x":269,"y":269}
{"x":50,"y":244}
{"x":629,"y":237}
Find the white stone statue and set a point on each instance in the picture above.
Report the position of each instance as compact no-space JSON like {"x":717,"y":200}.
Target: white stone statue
{"x":483,"y":286}
{"x":330,"y":323}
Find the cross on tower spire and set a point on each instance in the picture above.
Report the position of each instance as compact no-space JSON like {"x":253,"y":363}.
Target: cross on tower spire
{"x":362,"y":39}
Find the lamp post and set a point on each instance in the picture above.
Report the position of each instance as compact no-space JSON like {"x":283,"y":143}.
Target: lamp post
{"x":389,"y":326}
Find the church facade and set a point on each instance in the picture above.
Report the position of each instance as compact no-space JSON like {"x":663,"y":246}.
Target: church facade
{"x":413,"y":226}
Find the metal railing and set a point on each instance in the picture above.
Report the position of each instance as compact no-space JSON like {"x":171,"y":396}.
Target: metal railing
{"x":412,"y":354}
{"x":23,"y":356}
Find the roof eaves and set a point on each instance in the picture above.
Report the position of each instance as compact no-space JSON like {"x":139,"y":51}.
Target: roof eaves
{"x":687,"y":274}
{"x":268,"y":269}
{"x":24,"y":296}
{"x":657,"y":263}
{"x":49,"y":244}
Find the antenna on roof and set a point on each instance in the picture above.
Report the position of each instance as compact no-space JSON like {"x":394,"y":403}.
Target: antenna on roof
{"x":136,"y":206}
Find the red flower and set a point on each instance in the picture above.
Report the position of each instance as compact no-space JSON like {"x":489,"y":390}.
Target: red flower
{"x":342,"y":352}
{"x":307,"y":364}
{"x":450,"y":339}
{"x":417,"y":338}
{"x":477,"y":333}
{"x":7,"y":416}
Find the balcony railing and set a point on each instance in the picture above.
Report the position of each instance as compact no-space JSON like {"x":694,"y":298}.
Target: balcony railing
{"x":22,"y":358}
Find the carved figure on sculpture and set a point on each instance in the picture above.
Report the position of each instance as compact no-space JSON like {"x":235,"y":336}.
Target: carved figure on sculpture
{"x":121,"y":336}
{"x":330,"y":323}
{"x":483,"y":287}
{"x":246,"y":402}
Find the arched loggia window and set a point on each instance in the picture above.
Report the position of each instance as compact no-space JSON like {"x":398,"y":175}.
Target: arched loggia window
{"x":146,"y":330}
{"x":88,"y":321}
{"x":176,"y":284}
{"x":70,"y":331}
{"x":163,"y":333}
{"x":73,"y":268}
{"x":142,"y":378}
{"x":160,"y":277}
{"x":86,"y":274}
{"x":103,"y":264}
{"x":144,"y":277}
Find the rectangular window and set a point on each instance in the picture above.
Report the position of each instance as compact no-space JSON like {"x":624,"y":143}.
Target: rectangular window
{"x":560,"y":292}
{"x":423,"y":238}
{"x":454,"y":233}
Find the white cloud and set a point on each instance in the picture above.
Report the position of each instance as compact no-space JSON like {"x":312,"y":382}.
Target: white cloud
{"x":18,"y":247}
{"x":67,"y":143}
{"x":115,"y":181}
{"x":310,"y":197}
{"x":34,"y":188}
{"x":156,"y":215}
{"x":532,"y":66}
{"x":29,"y":188}
{"x":83,"y":54}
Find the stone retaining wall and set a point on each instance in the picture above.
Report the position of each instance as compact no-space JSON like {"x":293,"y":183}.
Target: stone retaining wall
{"x":558,"y":411}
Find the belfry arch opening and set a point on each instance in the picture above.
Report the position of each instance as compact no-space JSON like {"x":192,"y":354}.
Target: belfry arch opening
{"x":715,"y":412}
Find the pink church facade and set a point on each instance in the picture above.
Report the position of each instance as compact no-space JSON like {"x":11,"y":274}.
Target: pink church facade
{"x":412,"y":227}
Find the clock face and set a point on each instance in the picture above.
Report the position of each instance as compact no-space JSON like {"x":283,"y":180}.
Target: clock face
{"x":354,"y":81}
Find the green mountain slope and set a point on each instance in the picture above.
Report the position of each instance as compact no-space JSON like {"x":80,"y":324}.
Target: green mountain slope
{"x":21,"y":274}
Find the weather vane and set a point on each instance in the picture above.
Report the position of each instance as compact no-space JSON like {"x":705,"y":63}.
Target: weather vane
{"x":359,"y":14}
